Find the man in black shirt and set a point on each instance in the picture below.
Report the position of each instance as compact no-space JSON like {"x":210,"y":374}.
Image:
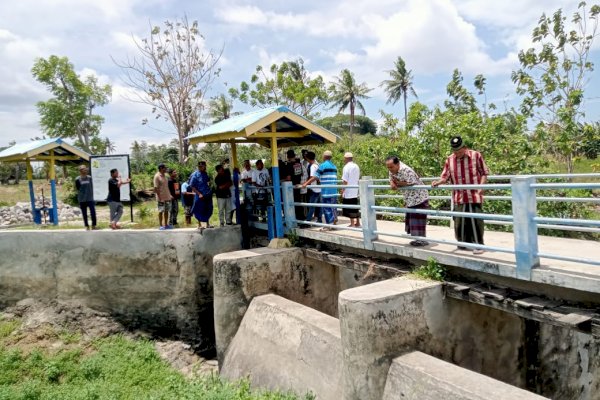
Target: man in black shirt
{"x":293,"y":168}
{"x":223,"y":184}
{"x":114,"y":197}
{"x":175,"y":193}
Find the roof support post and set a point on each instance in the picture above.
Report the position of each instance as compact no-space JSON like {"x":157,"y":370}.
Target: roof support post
{"x":31,"y":192}
{"x":276,"y":183}
{"x":53,"y":188}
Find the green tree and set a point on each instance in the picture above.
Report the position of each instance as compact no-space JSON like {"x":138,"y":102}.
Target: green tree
{"x":346,"y":93}
{"x":399,"y":85}
{"x":340,"y":124}
{"x":172,"y":73}
{"x":461,"y":100}
{"x":479,"y":83}
{"x":70,"y":112}
{"x":554,"y":75}
{"x":288,"y":84}
{"x":109,"y":145}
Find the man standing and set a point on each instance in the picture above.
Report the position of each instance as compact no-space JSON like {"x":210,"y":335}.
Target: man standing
{"x":187,"y":200}
{"x":294,"y":171}
{"x":350,"y":176}
{"x":203,"y":205}
{"x":85,"y":196}
{"x":114,"y":197}
{"x":402,"y":175}
{"x":260,"y":195}
{"x":175,"y":193}
{"x":314,"y":194}
{"x":223,"y":192}
{"x":305,"y":170}
{"x":247,"y":181}
{"x":465,"y":167}
{"x":163,"y":197}
{"x":327,"y":174}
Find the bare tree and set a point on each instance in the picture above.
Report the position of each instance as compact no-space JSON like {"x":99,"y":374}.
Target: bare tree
{"x":172,"y":74}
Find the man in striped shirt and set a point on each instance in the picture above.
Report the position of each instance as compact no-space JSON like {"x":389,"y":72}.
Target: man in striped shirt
{"x":465,"y":167}
{"x":327,"y":175}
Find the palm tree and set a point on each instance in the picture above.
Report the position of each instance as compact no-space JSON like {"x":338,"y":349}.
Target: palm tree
{"x":345,"y":92}
{"x":479,"y":84}
{"x":110,"y":146}
{"x":219,"y":108}
{"x":399,"y":85}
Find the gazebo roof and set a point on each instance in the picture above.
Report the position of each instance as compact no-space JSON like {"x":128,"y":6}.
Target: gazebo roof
{"x":39,"y":150}
{"x":291,"y":129}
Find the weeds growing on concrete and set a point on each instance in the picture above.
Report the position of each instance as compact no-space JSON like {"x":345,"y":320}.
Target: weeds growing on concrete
{"x":294,"y":239}
{"x":432,"y":270}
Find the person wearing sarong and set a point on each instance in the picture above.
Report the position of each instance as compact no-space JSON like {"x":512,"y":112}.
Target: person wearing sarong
{"x":350,"y":176}
{"x":466,"y":167}
{"x":402,"y":175}
{"x":203,"y":205}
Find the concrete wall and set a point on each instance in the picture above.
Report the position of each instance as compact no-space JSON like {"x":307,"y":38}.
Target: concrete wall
{"x":418,"y":376}
{"x":160,"y":281}
{"x":283,"y":345}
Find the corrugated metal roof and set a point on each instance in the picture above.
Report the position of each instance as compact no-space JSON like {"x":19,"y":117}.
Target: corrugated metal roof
{"x":26,"y":147}
{"x":36,"y":148}
{"x":239,"y":122}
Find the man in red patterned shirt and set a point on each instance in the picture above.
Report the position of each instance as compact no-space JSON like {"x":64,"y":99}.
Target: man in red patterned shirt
{"x":465,"y":167}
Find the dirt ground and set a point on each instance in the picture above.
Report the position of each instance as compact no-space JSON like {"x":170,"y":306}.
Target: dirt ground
{"x":54,"y":326}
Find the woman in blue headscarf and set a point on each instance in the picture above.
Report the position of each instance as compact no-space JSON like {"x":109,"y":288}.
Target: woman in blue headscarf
{"x":203,"y":204}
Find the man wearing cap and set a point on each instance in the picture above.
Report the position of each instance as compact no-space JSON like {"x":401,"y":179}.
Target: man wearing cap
{"x":465,"y":167}
{"x":85,"y":196}
{"x":402,"y":175}
{"x":350,"y":176}
{"x":327,"y":175}
{"x":294,"y":173}
{"x":203,"y":205}
{"x":163,"y":197}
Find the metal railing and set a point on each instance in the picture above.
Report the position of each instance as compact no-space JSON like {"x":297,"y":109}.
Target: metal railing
{"x":524,"y":219}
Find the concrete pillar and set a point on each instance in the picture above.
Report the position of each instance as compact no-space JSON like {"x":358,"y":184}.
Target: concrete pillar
{"x":368,"y":219}
{"x":524,"y":206}
{"x":288,"y":206}
{"x":379,"y":322}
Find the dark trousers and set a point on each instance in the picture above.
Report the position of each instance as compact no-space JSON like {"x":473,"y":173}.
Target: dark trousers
{"x":299,"y":198}
{"x":468,"y":230}
{"x":84,"y":207}
{"x":314,"y":198}
{"x":173,"y":212}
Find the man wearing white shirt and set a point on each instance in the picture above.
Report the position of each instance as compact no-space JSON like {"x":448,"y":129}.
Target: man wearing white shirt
{"x":350,"y":176}
{"x":246,"y":179}
{"x":260,"y":179}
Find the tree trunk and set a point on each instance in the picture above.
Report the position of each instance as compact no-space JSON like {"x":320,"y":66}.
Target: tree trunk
{"x":351,"y":121}
{"x":405,"y":113}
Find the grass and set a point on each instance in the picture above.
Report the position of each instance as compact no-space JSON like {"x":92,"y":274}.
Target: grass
{"x":114,"y":368}
{"x":431,"y":271}
{"x":7,"y":327}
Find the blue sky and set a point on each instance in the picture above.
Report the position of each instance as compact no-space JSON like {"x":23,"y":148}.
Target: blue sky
{"x":433,"y":36}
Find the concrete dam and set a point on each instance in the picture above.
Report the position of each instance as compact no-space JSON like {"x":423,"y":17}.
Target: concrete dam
{"x":339,"y":323}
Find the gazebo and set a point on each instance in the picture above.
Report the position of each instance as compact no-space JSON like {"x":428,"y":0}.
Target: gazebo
{"x":271,"y":127}
{"x":54,"y":151}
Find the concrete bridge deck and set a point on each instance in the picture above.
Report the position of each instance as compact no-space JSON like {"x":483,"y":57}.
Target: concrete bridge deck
{"x":566,"y":274}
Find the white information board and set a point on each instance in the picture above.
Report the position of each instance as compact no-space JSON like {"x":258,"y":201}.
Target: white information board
{"x":100,"y":171}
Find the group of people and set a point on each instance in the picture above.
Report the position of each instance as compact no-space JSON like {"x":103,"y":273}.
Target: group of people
{"x":313,"y":182}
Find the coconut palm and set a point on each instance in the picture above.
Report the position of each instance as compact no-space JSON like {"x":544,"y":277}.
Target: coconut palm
{"x":346,"y":93}
{"x":219,"y":108}
{"x":110,"y":146}
{"x":399,"y":85}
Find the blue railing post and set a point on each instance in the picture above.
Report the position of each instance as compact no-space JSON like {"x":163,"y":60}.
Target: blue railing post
{"x":289,"y":211}
{"x":270,"y":223}
{"x":524,"y":206}
{"x":368,"y":219}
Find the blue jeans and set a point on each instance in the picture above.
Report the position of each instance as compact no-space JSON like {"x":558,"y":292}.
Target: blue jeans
{"x":92,"y":206}
{"x":329,"y":212}
{"x":314,"y":198}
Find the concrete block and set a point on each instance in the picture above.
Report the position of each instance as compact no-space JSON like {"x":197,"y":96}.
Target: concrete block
{"x":418,"y":376}
{"x":285,"y":345}
{"x":241,"y":275}
{"x":379,"y":322}
{"x":279,"y":243}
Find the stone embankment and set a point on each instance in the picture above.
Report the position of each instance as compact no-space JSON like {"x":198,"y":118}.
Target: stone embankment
{"x":20,"y":213}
